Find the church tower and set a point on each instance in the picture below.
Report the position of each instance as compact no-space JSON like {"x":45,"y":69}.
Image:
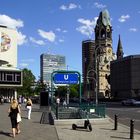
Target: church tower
{"x":119,"y":49}
{"x":103,"y":53}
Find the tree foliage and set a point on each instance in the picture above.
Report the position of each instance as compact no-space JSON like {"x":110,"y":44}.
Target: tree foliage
{"x":40,"y":86}
{"x":28,"y":82}
{"x":61,"y":91}
{"x":74,"y":91}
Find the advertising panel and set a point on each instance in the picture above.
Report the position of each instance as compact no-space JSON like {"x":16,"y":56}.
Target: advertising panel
{"x":10,"y":78}
{"x":8,"y":46}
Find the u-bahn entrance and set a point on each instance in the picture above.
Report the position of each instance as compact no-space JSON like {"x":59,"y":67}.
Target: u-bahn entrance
{"x":65,"y":78}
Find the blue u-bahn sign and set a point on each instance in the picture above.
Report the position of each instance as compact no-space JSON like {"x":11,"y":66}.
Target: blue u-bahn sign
{"x":66,"y":78}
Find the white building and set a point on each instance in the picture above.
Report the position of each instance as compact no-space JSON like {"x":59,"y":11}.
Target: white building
{"x":10,"y":76}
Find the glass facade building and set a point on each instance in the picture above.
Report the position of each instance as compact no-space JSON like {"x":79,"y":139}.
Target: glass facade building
{"x":50,"y":63}
{"x":88,"y":47}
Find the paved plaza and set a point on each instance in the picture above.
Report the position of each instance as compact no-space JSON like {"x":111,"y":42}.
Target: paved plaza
{"x":62,"y":130}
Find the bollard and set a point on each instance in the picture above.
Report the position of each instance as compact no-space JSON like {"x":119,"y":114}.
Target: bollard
{"x":57,"y":111}
{"x":131,"y":129}
{"x":116,"y":122}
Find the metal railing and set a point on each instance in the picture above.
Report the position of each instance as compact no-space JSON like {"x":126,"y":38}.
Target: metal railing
{"x":81,"y":111}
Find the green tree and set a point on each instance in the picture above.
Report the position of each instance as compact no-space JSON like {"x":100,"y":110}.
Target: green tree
{"x":28,"y":82}
{"x":40,"y":86}
{"x":74,"y":91}
{"x":61,"y":91}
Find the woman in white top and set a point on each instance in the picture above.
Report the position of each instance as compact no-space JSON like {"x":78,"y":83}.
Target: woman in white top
{"x":29,"y":108}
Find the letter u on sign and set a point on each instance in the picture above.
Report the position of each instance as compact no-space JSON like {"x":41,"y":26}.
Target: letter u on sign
{"x":66,"y":77}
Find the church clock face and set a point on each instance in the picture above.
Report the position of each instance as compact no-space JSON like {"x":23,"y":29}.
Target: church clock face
{"x":108,"y":29}
{"x":109,"y":51}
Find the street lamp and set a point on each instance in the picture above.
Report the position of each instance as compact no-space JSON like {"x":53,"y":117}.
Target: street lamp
{"x":96,"y":82}
{"x":68,"y":94}
{"x":52,"y":91}
{"x":97,"y":73}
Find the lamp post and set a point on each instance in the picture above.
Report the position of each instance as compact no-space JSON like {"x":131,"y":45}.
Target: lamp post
{"x":88,"y":87}
{"x":96,"y":82}
{"x":52,"y":91}
{"x":97,"y":73}
{"x":68,"y":94}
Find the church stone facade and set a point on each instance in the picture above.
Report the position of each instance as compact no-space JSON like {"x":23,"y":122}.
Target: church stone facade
{"x":102,"y":56}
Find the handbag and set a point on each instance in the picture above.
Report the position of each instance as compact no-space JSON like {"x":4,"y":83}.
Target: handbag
{"x":9,"y":115}
{"x":18,"y":118}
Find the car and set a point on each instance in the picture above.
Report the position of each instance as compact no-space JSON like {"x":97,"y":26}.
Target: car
{"x":130,"y":102}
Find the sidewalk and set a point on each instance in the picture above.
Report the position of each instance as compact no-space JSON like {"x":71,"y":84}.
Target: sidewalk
{"x":102,"y":130}
{"x":62,"y":130}
{"x":30,"y":129}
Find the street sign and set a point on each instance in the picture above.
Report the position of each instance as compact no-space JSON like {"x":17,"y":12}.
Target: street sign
{"x":66,"y":78}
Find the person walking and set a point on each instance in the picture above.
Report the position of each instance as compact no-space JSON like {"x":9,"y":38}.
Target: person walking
{"x":29,"y":108}
{"x":64,"y":103}
{"x":13,"y":110}
{"x":58,"y":101}
{"x":20,"y":101}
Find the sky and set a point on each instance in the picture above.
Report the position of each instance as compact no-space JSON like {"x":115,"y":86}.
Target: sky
{"x":60,"y":26}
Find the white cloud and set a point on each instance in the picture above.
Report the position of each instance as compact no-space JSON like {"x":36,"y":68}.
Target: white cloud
{"x":87,"y":22}
{"x":38,"y":42}
{"x":61,"y":40}
{"x":10,"y":22}
{"x":64,"y":31}
{"x":28,"y":60}
{"x":60,"y":30}
{"x":99,"y":5}
{"x":87,"y":27}
{"x":133,"y":30}
{"x":69,"y":7}
{"x":15,"y":24}
{"x":63,"y":7}
{"x":50,"y":36}
{"x":123,"y":18}
{"x":24,"y":64}
{"x":21,"y":38}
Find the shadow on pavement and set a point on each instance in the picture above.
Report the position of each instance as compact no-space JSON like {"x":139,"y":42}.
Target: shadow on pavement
{"x":118,"y":137}
{"x":5,"y":133}
{"x":106,"y":128}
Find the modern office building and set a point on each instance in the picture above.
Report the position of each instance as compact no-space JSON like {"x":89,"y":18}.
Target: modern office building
{"x":50,"y":63}
{"x":125,"y":77}
{"x":88,"y":67}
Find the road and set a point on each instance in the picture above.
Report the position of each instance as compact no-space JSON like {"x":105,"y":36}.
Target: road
{"x":125,"y":114}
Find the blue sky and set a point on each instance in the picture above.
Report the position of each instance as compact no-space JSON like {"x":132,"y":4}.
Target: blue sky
{"x":60,"y":26}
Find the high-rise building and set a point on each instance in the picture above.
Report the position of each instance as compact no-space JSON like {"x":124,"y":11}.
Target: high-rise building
{"x":88,"y":67}
{"x":50,"y":63}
